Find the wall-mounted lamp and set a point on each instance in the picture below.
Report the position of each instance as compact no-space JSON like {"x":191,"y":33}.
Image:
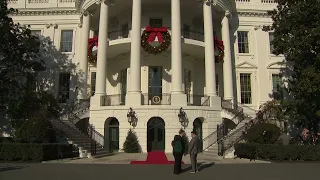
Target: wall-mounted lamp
{"x":131,"y":116}
{"x":183,"y":118}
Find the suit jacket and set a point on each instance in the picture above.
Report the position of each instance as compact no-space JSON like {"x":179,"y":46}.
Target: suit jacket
{"x":194,"y":145}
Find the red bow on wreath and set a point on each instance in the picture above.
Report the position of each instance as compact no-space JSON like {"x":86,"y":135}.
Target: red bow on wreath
{"x":155,"y":32}
{"x":93,"y":42}
{"x":219,"y":43}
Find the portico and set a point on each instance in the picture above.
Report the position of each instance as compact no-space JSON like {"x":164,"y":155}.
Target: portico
{"x":177,"y":93}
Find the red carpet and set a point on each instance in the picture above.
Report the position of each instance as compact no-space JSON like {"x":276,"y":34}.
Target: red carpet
{"x":155,"y":158}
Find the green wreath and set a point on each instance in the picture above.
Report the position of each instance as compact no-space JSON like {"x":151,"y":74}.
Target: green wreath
{"x":164,"y":42}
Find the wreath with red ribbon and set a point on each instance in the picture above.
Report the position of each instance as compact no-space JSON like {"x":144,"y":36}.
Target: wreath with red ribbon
{"x":218,"y":44}
{"x":92,"y":42}
{"x":149,"y":35}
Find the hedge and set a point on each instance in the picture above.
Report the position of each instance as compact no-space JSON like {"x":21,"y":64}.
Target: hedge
{"x":36,"y":152}
{"x":277,"y":152}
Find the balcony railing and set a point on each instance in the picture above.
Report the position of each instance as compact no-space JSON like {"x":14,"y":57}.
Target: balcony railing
{"x":152,"y":99}
{"x":113,"y":100}
{"x":41,"y":3}
{"x":188,"y":34}
{"x":198,"y":100}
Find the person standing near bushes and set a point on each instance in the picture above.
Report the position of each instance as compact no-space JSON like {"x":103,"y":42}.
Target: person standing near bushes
{"x":284,"y":138}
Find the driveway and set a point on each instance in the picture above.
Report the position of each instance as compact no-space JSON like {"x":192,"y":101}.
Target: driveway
{"x":64,"y":171}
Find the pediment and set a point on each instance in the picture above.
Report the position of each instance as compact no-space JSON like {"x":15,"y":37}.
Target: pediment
{"x":275,"y":65}
{"x":246,"y":64}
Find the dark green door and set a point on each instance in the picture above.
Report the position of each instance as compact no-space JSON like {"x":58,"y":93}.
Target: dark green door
{"x":155,"y":135}
{"x":114,"y":139}
{"x":197,"y":126}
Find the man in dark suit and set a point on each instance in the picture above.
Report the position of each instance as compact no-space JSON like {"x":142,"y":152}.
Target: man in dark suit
{"x":193,"y":150}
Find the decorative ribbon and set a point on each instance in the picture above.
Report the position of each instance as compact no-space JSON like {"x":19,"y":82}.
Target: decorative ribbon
{"x":218,"y":43}
{"x":155,"y":32}
{"x":93,"y":42}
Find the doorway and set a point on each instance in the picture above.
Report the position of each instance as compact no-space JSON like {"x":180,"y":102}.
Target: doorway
{"x":155,"y":134}
{"x":197,"y":127}
{"x":111,"y":134}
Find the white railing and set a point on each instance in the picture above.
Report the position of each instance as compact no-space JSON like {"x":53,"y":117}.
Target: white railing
{"x":264,"y":5}
{"x":20,"y":4}
{"x":268,"y":1}
{"x":243,"y":1}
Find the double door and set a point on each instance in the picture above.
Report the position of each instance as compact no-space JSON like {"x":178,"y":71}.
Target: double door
{"x":155,"y":84}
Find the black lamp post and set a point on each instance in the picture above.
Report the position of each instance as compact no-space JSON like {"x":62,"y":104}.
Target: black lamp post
{"x":182,"y":117}
{"x":131,"y":115}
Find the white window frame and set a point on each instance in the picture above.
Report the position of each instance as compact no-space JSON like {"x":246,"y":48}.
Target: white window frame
{"x":249,"y":42}
{"x":253,"y":89}
{"x":73,"y":39}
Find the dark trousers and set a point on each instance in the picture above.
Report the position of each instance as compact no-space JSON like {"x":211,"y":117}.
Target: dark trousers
{"x":194,"y":163}
{"x":177,"y":162}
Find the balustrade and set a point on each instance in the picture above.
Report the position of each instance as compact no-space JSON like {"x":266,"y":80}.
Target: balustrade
{"x":20,"y":4}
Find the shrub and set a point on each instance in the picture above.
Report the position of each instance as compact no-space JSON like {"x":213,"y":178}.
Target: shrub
{"x":263,"y":133}
{"x":37,"y":130}
{"x":277,"y":152}
{"x":36,"y":152}
{"x":131,"y":145}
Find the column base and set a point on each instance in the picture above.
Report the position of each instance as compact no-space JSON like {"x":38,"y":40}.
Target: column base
{"x":215,"y":102}
{"x":133,"y":99}
{"x":179,"y":99}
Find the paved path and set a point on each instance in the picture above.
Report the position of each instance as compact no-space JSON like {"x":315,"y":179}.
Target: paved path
{"x":55,"y":171}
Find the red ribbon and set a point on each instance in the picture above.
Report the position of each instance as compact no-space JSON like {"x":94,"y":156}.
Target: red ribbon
{"x":93,"y":42}
{"x":155,"y":32}
{"x":219,"y":43}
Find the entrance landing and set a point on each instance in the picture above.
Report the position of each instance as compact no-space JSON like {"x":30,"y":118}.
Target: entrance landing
{"x":155,"y":158}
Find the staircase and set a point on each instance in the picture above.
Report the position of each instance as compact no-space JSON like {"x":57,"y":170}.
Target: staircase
{"x":91,"y":144}
{"x":222,"y":141}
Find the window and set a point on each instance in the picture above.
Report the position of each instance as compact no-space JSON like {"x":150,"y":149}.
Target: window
{"x":243,"y":42}
{"x":93,"y":83}
{"x":276,"y":83}
{"x":245,"y":88}
{"x":217,"y":84}
{"x":271,"y":37}
{"x":123,"y":76}
{"x":186,"y":31}
{"x":64,"y":87}
{"x":36,"y":32}
{"x":66,"y":41}
{"x":187,"y":83}
{"x":155,"y":22}
{"x":125,"y":30}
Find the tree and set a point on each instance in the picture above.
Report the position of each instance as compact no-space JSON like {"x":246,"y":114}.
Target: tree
{"x":297,"y":36}
{"x":131,"y":145}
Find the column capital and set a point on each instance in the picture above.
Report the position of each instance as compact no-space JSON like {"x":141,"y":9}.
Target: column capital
{"x":107,"y":2}
{"x":209,"y":2}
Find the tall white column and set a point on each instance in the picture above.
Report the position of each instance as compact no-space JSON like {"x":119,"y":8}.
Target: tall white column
{"x":134,"y":94}
{"x":177,"y":95}
{"x":102,"y":51}
{"x":85,"y":30}
{"x":210,"y":68}
{"x":227,"y":64}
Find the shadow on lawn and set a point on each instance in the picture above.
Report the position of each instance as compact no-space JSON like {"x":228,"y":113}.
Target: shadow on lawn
{"x":201,"y":166}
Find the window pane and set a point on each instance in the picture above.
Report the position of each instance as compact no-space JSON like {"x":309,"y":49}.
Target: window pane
{"x":271,"y":37}
{"x":276,"y":83}
{"x":125,"y":30}
{"x":217,"y":84}
{"x":123,"y":85}
{"x":64,"y":87}
{"x":245,"y":88}
{"x":156,"y":22}
{"x":186,"y":31}
{"x":93,"y":83}
{"x":243,"y":42}
{"x":66,"y":40}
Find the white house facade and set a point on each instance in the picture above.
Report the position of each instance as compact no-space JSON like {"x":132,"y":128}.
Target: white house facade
{"x":156,"y":66}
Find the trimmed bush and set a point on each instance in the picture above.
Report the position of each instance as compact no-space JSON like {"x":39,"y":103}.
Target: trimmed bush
{"x":264,"y":133}
{"x":131,"y":145}
{"x":37,"y":130}
{"x":277,"y":152}
{"x":36,"y":152}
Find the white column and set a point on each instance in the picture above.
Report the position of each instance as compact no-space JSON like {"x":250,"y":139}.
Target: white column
{"x":83,"y":55}
{"x":177,"y":95}
{"x":102,"y":51}
{"x":210,"y":68}
{"x":227,"y":64}
{"x":134,"y":94}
